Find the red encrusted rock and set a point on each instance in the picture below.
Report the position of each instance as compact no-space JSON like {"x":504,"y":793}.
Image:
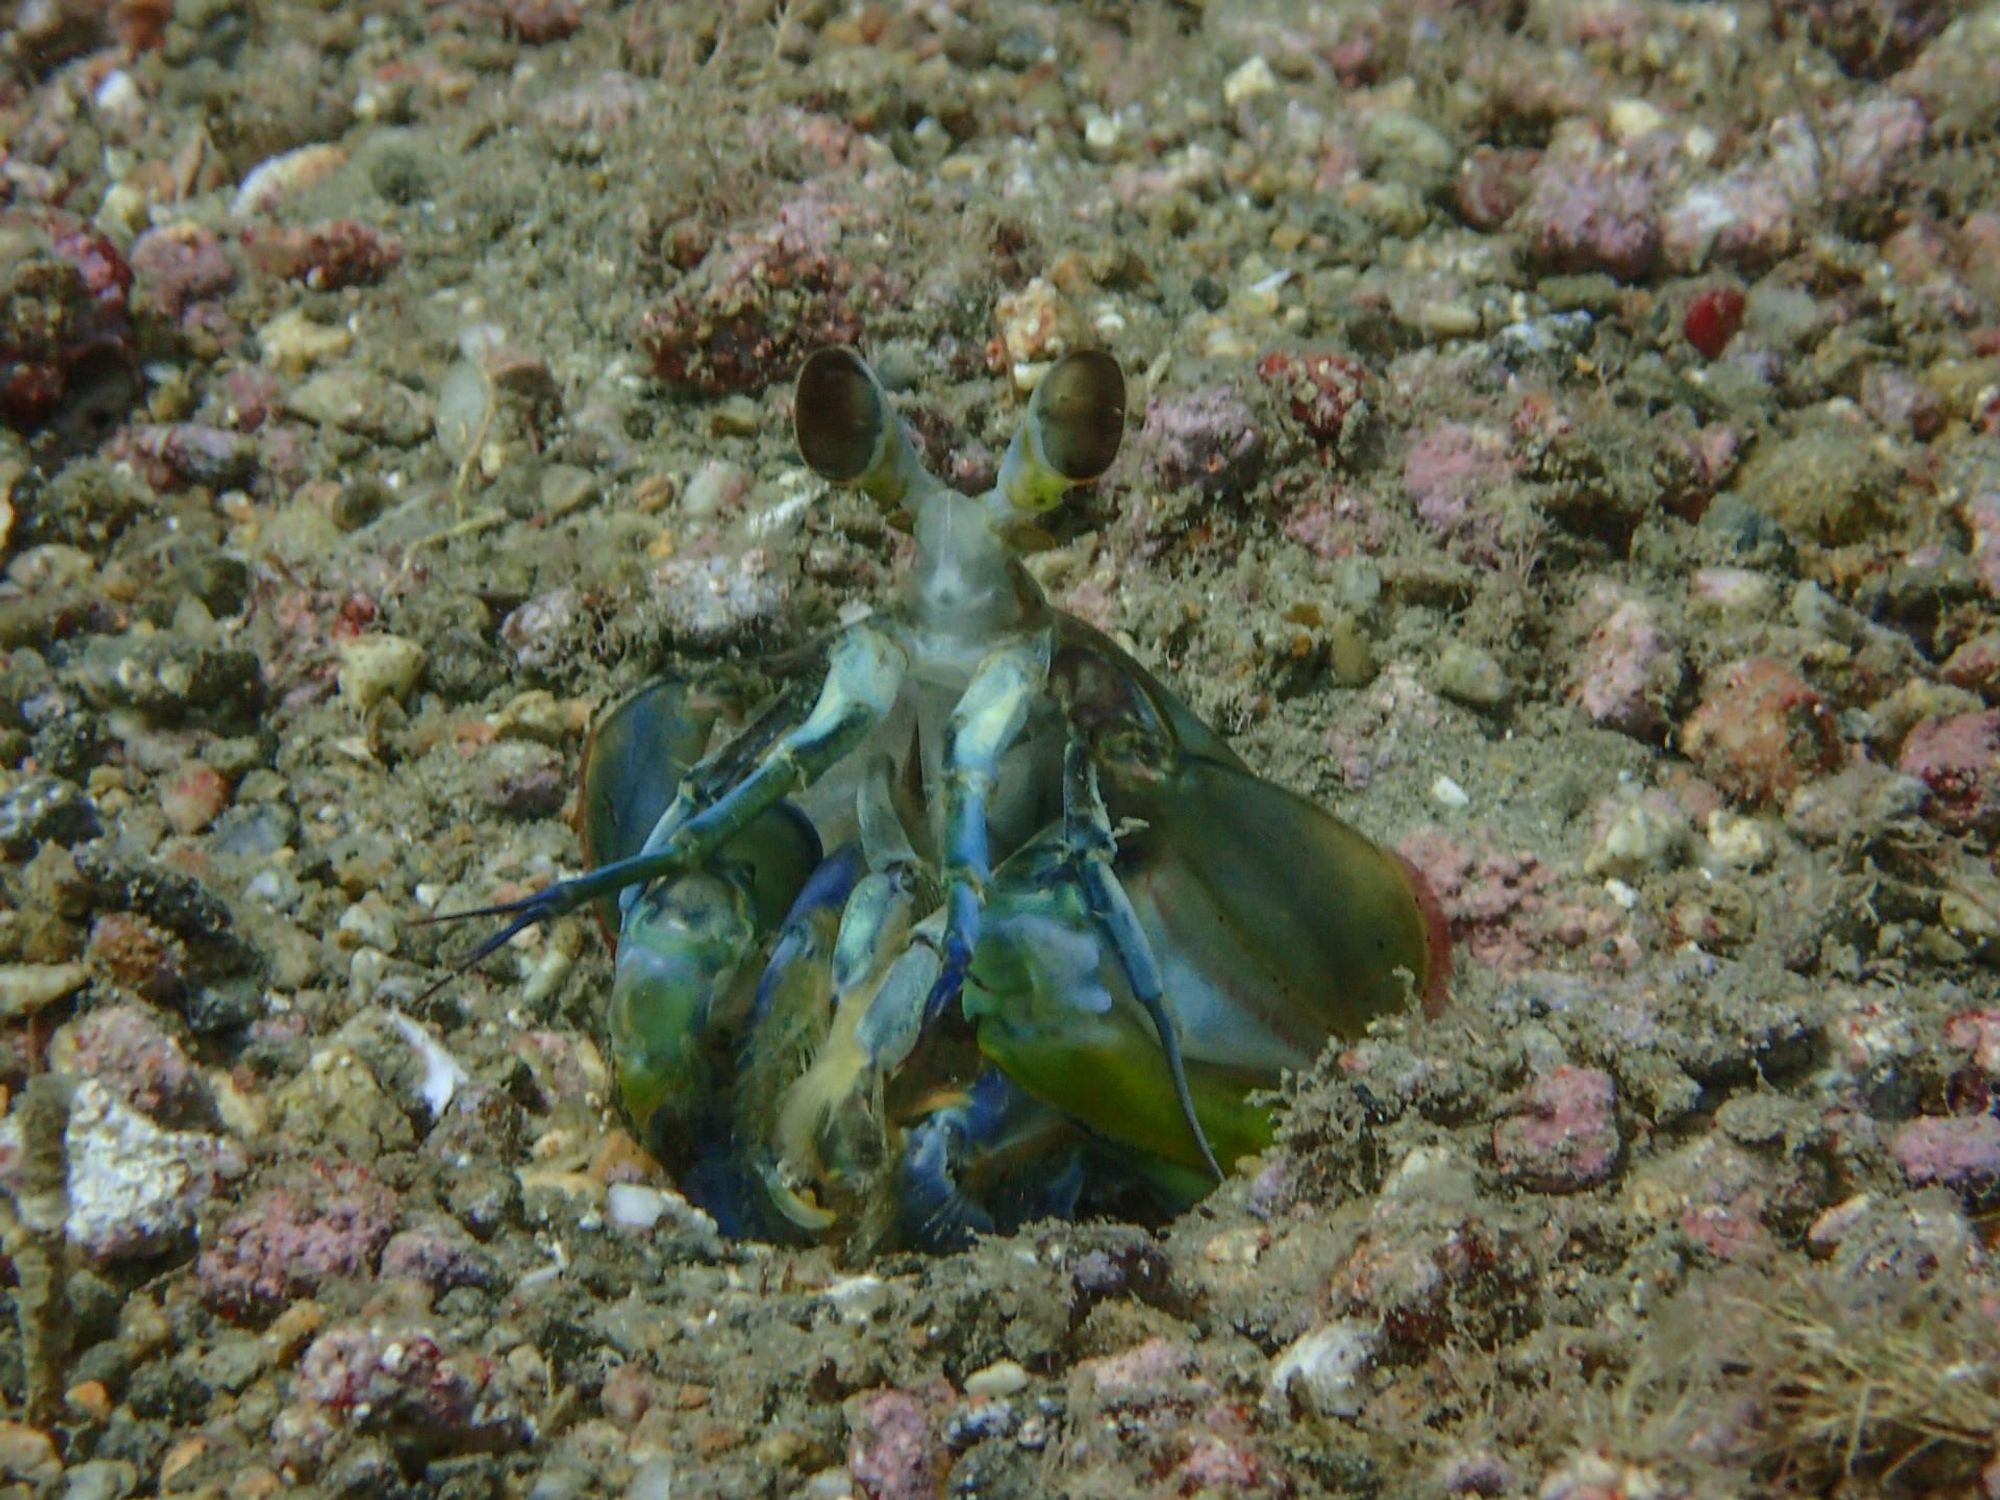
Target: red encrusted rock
{"x":1760,"y":731}
{"x":289,"y":1240}
{"x":1590,"y":211}
{"x":1322,"y":391}
{"x":129,"y":952}
{"x":1975,"y":665}
{"x":326,"y":257}
{"x":755,"y":309}
{"x":1141,"y":1375}
{"x":894,"y":1451}
{"x":1960,"y":1152}
{"x":1959,"y":760}
{"x":1566,"y":1138}
{"x":1868,"y":38}
{"x":1713,"y":315}
{"x":177,"y":265}
{"x":400,"y":1383}
{"x":1205,"y":440}
{"x":125,"y":1049}
{"x":1426,"y":1276}
{"x":1492,"y":184}
{"x":1629,"y":670}
{"x":1492,"y":901}
{"x":64,"y":302}
{"x":438,"y":1254}
{"x":1447,"y":468}
{"x":193,"y":797}
{"x":1976,"y":1032}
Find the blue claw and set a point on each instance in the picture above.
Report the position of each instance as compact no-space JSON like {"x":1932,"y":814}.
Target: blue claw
{"x":961,"y":937}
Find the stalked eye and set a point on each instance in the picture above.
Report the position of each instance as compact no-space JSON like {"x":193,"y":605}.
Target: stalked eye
{"x":1081,"y":407}
{"x":839,"y":416}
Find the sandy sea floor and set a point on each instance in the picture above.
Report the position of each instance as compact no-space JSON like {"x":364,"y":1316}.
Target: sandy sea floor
{"x":1564,"y":440}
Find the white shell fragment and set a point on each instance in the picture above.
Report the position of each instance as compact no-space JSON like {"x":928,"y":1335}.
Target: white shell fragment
{"x":1322,"y":1372}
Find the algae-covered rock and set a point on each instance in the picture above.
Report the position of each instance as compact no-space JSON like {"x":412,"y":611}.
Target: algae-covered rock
{"x":1829,"y":484}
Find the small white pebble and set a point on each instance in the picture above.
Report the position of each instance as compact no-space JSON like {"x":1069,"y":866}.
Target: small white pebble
{"x":376,"y":667}
{"x":632,"y":1205}
{"x":1631,"y":119}
{"x":1004,"y":1377}
{"x":1449,"y":793}
{"x":1620,"y":893}
{"x":118,"y":94}
{"x":1100,"y":135}
{"x":443,"y":1075}
{"x":1248,"y":82}
{"x":1324,"y":1371}
{"x":275,"y":887}
{"x":1739,"y":842}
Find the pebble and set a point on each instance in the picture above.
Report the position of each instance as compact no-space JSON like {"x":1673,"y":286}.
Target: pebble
{"x":101,"y":1479}
{"x":1250,"y":81}
{"x":1324,"y":1372}
{"x":361,"y":402}
{"x":565,"y":488}
{"x":278,"y":177}
{"x":28,"y":988}
{"x":636,"y":1207}
{"x":1641,"y":838}
{"x":254,"y":832}
{"x":294,"y":343}
{"x":28,"y":1454}
{"x":135,"y":1189}
{"x":1738,"y":842}
{"x":193,"y":797}
{"x":1829,"y":484}
{"x":44,"y":809}
{"x":716,"y":486}
{"x":275,"y":887}
{"x":534,"y":715}
{"x":1472,"y":677}
{"x":377,"y":667}
{"x":368,"y":922}
{"x":1565,"y":1138}
{"x":1448,"y":793}
{"x":1004,"y":1377}
{"x":1037,"y":325}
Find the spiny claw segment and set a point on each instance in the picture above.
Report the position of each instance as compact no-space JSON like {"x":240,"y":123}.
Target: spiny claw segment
{"x":1091,"y":848}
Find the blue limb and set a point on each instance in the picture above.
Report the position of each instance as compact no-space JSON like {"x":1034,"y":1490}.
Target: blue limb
{"x":826,"y":889}
{"x":984,"y":1162}
{"x":988,"y":719}
{"x":864,"y":672}
{"x":1089,"y":849}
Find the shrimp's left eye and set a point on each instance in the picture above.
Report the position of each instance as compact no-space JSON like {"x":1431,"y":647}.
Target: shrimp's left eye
{"x":839,"y":416}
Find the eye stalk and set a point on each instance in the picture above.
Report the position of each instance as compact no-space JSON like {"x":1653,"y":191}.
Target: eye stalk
{"x":1075,"y":422}
{"x":847,"y":432}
